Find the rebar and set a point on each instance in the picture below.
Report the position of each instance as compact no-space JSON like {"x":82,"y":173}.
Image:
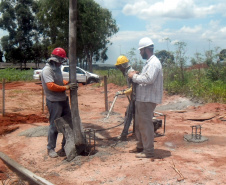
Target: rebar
{"x":90,"y":140}
{"x":196,"y":132}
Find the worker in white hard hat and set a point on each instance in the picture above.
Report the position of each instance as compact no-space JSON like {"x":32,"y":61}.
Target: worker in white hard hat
{"x":123,"y":65}
{"x":149,"y":92}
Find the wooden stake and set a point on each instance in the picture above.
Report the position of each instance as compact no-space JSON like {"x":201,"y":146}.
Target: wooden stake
{"x":3,"y":97}
{"x":105,"y":93}
{"x":43,"y":101}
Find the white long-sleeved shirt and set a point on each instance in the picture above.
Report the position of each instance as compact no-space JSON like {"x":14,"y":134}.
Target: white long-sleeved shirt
{"x":150,"y":82}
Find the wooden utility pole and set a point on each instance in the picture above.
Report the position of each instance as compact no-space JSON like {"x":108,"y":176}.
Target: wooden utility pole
{"x":76,"y":121}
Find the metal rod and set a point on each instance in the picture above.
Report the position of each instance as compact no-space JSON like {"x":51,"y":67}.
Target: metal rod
{"x":94,"y":136}
{"x":112,"y":105}
{"x":164,"y":124}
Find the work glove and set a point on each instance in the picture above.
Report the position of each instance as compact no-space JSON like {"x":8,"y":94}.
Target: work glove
{"x":128,"y":92}
{"x":71,"y":86}
{"x":120,"y":93}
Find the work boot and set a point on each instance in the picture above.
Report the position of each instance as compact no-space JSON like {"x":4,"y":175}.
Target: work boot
{"x":122,"y":138}
{"x":61,"y":152}
{"x":52,"y":153}
{"x":144,"y":155}
{"x":136,"y":150}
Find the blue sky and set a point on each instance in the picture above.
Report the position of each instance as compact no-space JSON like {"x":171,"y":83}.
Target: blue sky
{"x":201,"y":24}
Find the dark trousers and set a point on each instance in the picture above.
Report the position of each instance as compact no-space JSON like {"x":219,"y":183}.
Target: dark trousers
{"x":128,"y":118}
{"x":56,"y":109}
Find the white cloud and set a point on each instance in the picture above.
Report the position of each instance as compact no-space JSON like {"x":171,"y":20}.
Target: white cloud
{"x":180,"y":9}
{"x":124,"y":36}
{"x":214,"y":24}
{"x":223,"y":30}
{"x":186,"y":29}
{"x":175,"y":41}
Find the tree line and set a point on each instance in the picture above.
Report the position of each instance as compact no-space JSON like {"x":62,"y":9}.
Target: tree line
{"x":36,"y":27}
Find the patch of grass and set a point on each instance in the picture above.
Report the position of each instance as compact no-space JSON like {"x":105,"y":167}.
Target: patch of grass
{"x":196,"y":84}
{"x":11,"y":75}
{"x":113,"y":76}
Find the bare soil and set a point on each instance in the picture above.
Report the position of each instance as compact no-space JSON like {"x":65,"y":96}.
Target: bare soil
{"x":23,"y":132}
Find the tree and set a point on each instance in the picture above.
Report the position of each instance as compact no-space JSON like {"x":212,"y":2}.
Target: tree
{"x":94,"y":27}
{"x":165,"y":57}
{"x":18,"y":18}
{"x":53,"y":21}
{"x":180,"y":57}
{"x":167,"y":42}
{"x":222,"y":55}
{"x":1,"y":55}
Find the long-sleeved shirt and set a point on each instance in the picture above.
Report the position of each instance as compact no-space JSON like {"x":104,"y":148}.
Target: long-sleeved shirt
{"x":149,"y":86}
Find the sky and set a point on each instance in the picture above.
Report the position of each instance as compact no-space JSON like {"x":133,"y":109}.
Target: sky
{"x":201,"y":24}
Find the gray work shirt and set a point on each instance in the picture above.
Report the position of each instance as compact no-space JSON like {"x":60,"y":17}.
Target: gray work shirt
{"x":52,"y":75}
{"x":149,"y":86}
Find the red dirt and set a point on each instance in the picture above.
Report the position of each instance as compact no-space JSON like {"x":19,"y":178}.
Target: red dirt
{"x":176,"y":161}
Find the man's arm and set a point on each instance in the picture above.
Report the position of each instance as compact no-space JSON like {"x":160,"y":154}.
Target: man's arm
{"x":54,"y":87}
{"x":148,"y":76}
{"x":58,"y":88}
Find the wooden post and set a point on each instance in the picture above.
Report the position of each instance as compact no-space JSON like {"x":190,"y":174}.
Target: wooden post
{"x":76,"y":121}
{"x":43,"y":101}
{"x":105,"y":93}
{"x":3,"y":97}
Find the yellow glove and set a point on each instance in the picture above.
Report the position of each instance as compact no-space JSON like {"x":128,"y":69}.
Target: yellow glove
{"x":128,"y":92}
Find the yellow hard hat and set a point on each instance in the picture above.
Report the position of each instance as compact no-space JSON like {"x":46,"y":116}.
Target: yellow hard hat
{"x":122,"y":60}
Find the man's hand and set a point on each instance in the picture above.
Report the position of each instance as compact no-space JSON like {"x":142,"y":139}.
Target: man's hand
{"x":71,"y":86}
{"x":130,"y":75}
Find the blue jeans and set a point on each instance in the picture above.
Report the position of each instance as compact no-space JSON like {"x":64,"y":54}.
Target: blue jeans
{"x":56,"y":109}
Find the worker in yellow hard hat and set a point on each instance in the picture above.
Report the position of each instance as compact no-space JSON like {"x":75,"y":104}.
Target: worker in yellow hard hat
{"x":123,"y":65}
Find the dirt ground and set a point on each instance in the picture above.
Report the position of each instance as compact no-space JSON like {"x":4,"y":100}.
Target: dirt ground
{"x":23,"y":132}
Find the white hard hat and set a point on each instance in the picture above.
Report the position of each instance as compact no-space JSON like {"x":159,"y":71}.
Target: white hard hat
{"x":144,"y":42}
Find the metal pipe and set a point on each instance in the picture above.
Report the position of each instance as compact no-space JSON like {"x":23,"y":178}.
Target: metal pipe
{"x":112,"y":105}
{"x":24,"y":171}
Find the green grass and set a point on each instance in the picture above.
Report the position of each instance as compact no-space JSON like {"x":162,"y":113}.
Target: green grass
{"x":196,"y":84}
{"x":11,"y":75}
{"x":113,"y":76}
